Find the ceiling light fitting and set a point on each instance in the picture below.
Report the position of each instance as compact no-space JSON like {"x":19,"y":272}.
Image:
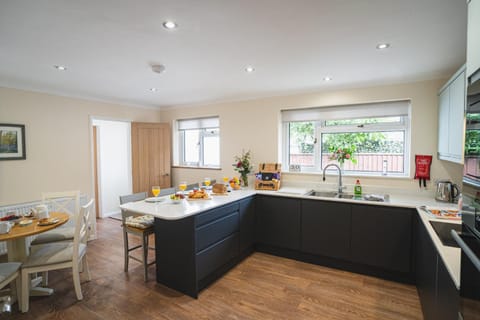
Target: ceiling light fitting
{"x":61,"y":68}
{"x":153,"y":89}
{"x":327,"y":79}
{"x":158,"y":68}
{"x":382,"y":46}
{"x":169,"y":25}
{"x":249,"y":69}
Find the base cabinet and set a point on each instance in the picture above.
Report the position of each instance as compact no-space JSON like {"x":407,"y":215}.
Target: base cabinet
{"x":438,"y":294}
{"x":382,"y":237}
{"x":278,"y":222}
{"x":247,"y":224}
{"x":193,"y":252}
{"x":326,"y":228}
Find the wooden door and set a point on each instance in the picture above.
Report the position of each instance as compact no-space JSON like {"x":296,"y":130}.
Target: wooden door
{"x":151,"y":154}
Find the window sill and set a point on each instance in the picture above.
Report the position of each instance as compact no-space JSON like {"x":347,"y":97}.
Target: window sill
{"x":194,"y":167}
{"x":347,"y":174}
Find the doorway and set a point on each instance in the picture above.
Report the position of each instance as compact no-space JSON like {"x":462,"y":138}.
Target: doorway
{"x":112,"y":164}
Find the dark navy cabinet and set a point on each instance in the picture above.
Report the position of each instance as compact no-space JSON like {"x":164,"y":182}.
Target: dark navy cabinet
{"x":438,"y":294}
{"x":382,"y":237}
{"x":326,"y":228}
{"x":247,"y":224}
{"x":278,"y":222}
{"x":194,"y":251}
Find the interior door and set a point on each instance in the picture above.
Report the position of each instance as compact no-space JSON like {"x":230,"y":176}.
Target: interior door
{"x":151,"y":154}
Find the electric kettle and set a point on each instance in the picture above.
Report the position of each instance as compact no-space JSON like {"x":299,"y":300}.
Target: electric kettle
{"x":447,"y":191}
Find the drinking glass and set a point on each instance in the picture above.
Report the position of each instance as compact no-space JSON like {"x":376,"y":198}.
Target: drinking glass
{"x":156,"y":191}
{"x":225,"y":180}
{"x":207,"y":181}
{"x":182,"y":186}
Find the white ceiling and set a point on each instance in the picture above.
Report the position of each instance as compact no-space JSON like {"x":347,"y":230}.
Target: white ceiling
{"x":109,"y":45}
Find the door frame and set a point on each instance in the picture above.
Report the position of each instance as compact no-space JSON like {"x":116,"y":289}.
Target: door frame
{"x":92,"y":118}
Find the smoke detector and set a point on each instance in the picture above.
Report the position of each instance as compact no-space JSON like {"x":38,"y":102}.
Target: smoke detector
{"x":158,"y":68}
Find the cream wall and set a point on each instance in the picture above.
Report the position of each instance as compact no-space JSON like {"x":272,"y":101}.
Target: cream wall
{"x":254,"y":125}
{"x":58,"y":142}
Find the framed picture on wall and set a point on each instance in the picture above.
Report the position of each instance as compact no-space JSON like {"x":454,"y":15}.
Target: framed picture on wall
{"x":12,"y":142}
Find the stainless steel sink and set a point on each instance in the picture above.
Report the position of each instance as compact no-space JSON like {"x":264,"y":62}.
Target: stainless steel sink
{"x":330,"y":194}
{"x":345,"y":196}
{"x":335,"y":194}
{"x":326,"y":194}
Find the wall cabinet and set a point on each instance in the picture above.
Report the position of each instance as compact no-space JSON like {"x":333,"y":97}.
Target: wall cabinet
{"x":451,"y":118}
{"x":473,"y":38}
{"x":278,"y":222}
{"x":438,"y":294}
{"x":326,"y":228}
{"x":382,"y":237}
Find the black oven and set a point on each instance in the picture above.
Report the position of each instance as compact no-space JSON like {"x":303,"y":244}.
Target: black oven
{"x":471,"y":169}
{"x":469,"y":243}
{"x":469,"y":239}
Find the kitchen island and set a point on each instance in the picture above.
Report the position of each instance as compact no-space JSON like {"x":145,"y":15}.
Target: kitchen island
{"x":198,"y":241}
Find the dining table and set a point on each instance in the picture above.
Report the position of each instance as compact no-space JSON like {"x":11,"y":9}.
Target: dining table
{"x":18,"y":248}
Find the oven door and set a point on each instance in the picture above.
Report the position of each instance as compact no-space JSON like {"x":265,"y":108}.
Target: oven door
{"x":469,"y":243}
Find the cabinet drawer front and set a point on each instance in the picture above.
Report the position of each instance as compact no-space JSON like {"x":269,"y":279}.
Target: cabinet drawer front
{"x":215,"y":214}
{"x":215,"y":231}
{"x":214,"y":257}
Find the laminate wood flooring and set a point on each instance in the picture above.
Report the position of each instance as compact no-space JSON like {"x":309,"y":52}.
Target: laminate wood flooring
{"x":261,"y":287}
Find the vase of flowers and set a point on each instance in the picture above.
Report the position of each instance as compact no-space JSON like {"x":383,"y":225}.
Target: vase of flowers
{"x":243,"y":166}
{"x":341,"y":154}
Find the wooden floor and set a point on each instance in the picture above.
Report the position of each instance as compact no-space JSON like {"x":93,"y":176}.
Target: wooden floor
{"x":261,"y":287}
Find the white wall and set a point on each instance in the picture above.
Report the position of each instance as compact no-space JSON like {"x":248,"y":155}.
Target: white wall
{"x":114,"y":164}
{"x":254,"y":125}
{"x":58,"y":142}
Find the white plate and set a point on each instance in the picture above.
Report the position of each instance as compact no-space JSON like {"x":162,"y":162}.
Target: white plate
{"x":154,"y":199}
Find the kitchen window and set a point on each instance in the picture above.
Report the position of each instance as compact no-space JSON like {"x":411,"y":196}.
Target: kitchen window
{"x":198,"y":142}
{"x":375,"y":138}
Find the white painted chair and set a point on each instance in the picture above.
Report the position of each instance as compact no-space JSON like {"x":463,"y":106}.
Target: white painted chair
{"x":10,"y":271}
{"x":60,"y":255}
{"x":142,"y":233}
{"x":68,"y":202}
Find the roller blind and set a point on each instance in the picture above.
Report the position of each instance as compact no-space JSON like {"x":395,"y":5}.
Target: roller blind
{"x":381,"y":109}
{"x":198,"y":123}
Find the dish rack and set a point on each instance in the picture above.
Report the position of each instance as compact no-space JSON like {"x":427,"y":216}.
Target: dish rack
{"x":268,"y":176}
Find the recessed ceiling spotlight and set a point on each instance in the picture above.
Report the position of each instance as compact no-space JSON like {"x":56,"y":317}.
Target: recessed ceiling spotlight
{"x":382,"y":46}
{"x":327,"y":79}
{"x":61,"y":68}
{"x":169,"y":25}
{"x":249,"y":69}
{"x":153,"y":89}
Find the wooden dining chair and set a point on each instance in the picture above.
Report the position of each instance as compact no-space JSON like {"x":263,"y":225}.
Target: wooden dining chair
{"x":144,"y":234}
{"x":60,"y":255}
{"x":68,"y":202}
{"x":9,"y":272}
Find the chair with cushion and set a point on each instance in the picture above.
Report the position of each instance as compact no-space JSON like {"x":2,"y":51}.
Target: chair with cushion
{"x":144,"y":232}
{"x":10,"y":271}
{"x":68,"y":202}
{"x":60,"y":255}
{"x":166,"y":192}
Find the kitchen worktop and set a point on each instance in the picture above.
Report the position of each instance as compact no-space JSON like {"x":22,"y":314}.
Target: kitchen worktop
{"x":169,"y":211}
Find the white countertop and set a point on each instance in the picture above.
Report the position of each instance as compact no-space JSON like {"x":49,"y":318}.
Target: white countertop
{"x":170,"y":211}
{"x":449,"y":255}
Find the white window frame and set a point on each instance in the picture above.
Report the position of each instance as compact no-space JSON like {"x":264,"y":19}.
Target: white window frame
{"x":375,"y":111}
{"x":208,"y":127}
